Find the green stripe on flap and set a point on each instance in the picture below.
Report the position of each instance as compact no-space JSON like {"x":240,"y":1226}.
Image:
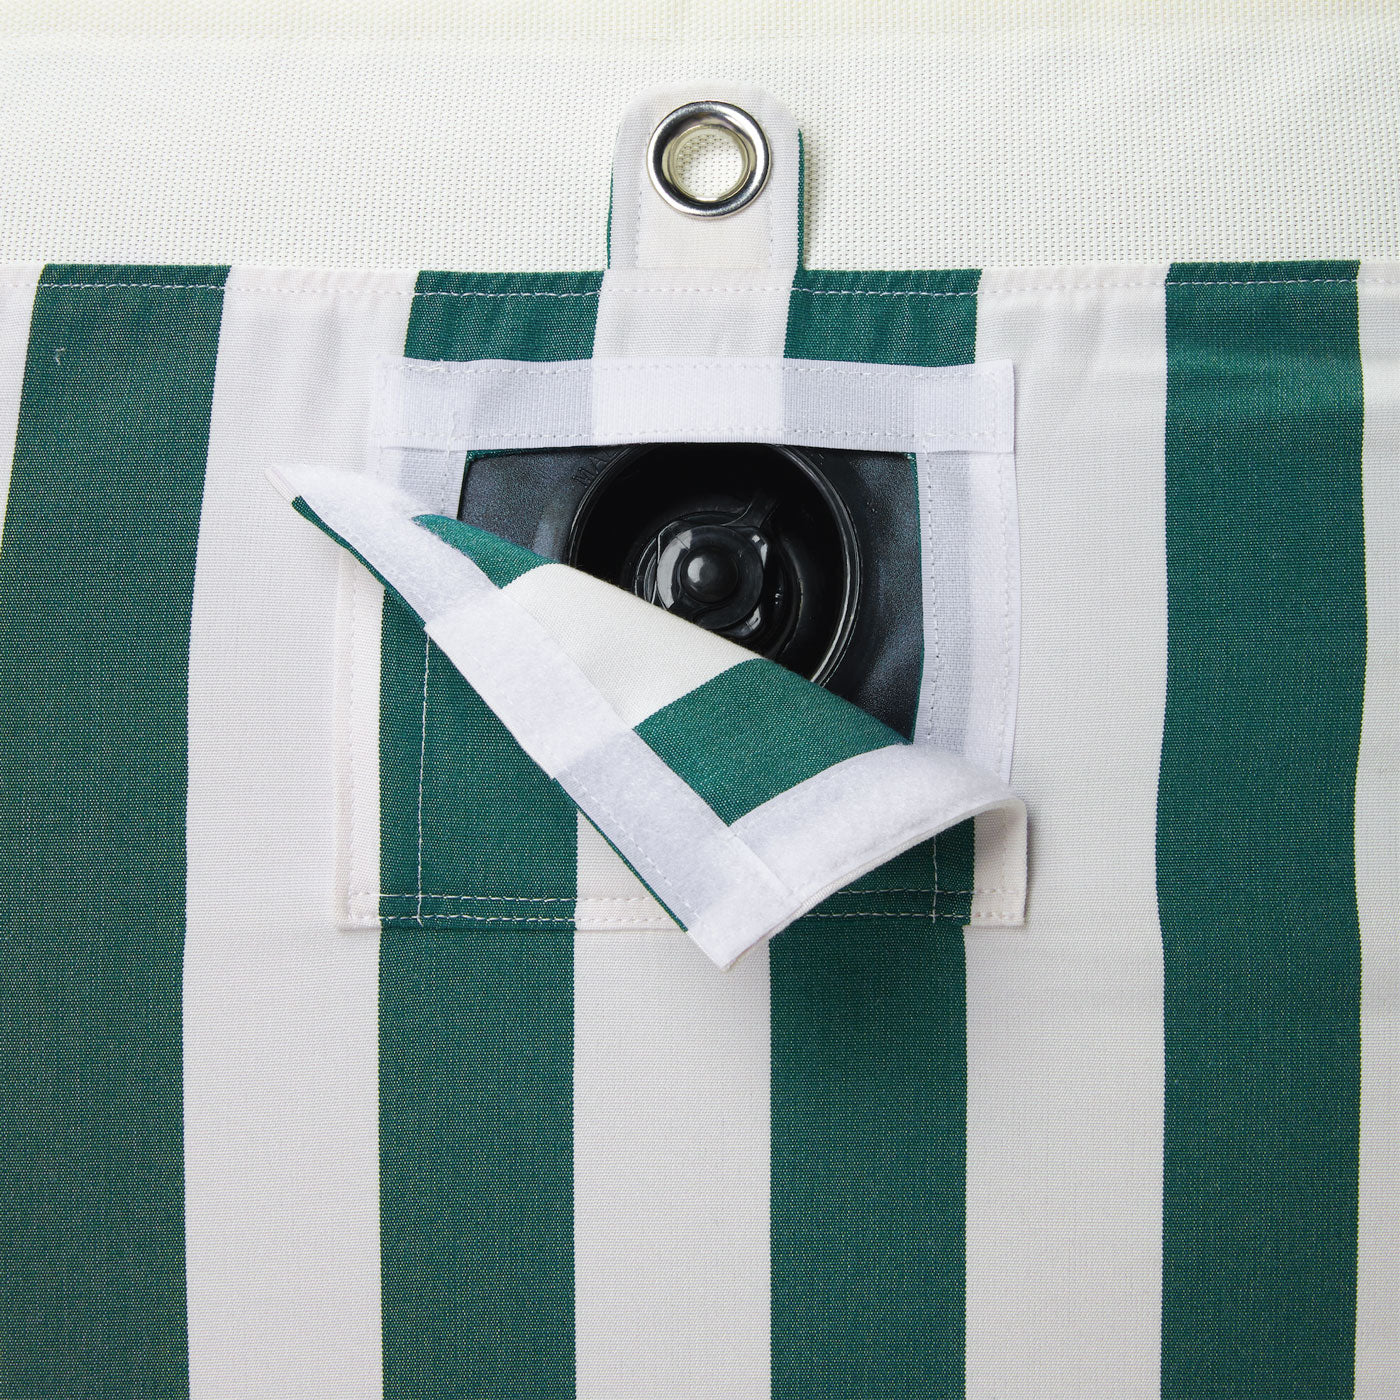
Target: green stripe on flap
{"x":96,"y":585}
{"x":478,"y":856}
{"x":500,"y":560}
{"x":1256,"y":884}
{"x":756,"y":730}
{"x":868,"y":1015}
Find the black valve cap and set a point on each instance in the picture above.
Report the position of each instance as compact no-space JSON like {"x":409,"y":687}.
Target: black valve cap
{"x":709,"y":575}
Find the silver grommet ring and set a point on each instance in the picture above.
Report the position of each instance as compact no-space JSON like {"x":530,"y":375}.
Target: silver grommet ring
{"x":695,"y":116}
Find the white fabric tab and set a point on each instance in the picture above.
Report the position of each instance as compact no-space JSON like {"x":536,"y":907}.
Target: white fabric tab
{"x":685,"y":286}
{"x":692,"y":313}
{"x":481,"y":405}
{"x":644,"y":231}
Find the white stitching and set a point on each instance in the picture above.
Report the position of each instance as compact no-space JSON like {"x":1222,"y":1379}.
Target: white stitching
{"x":460,"y":368}
{"x":1006,"y":647}
{"x":926,"y":529}
{"x":808,"y":291}
{"x":494,"y":898}
{"x":422,"y":920}
{"x":933,"y":908}
{"x":882,"y":914}
{"x":422,"y":764}
{"x":395,"y":920}
{"x":680,"y":904}
{"x":989,"y":437}
{"x":563,"y":295}
{"x":849,"y":892}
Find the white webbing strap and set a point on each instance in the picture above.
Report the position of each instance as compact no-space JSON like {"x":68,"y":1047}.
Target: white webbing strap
{"x":481,"y":405}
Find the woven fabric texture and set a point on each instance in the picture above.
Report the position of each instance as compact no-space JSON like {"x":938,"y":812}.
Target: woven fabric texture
{"x":939,"y":134}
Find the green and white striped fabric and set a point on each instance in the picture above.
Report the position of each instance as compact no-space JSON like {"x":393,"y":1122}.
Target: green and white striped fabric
{"x":741,"y":794}
{"x":1144,"y":1145}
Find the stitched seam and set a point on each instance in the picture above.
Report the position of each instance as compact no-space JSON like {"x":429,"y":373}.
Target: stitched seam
{"x":404,"y":920}
{"x":1004,"y":678}
{"x":808,"y":291}
{"x":279,"y":291}
{"x":422,"y":765}
{"x":496,"y":295}
{"x":419,"y":920}
{"x":733,"y":365}
{"x":353,"y":760}
{"x":882,"y":914}
{"x":926,"y":527}
{"x":827,"y":435}
{"x":933,"y":908}
{"x":491,"y":898}
{"x":678,"y":902}
{"x":637,"y":899}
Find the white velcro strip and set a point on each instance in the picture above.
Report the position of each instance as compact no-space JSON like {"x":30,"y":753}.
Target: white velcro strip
{"x":483,"y":405}
{"x":854,"y":816}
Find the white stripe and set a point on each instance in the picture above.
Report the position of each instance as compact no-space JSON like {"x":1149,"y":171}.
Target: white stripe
{"x":1378,"y":847}
{"x":16,"y":309}
{"x":457,"y":406}
{"x":280,"y":1008}
{"x":1064,"y":1018}
{"x":723,"y":293}
{"x":641,"y":658}
{"x":671,"y":1064}
{"x":671,"y":1134}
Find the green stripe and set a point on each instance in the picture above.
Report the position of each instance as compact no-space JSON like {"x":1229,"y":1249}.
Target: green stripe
{"x":868,"y":1014}
{"x":1255,"y":864}
{"x":96,"y":582}
{"x":476,"y":1164}
{"x":504,"y":316}
{"x":755,"y":731}
{"x":476,"y":1012}
{"x":499,"y":838}
{"x":500,"y":560}
{"x":887,"y":318}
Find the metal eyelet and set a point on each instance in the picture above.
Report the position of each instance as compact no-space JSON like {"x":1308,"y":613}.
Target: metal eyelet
{"x":747,"y":135}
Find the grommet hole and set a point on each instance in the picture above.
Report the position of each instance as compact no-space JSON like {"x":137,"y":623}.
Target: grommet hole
{"x":709,"y":137}
{"x":708,"y":162}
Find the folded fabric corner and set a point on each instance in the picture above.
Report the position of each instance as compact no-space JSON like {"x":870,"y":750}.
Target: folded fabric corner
{"x":741,"y":794}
